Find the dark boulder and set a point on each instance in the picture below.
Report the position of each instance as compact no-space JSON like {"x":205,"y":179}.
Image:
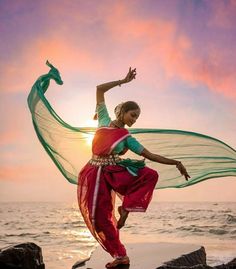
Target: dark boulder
{"x":192,"y":260}
{"x":229,"y":265}
{"x":195,"y":260}
{"x":22,"y":256}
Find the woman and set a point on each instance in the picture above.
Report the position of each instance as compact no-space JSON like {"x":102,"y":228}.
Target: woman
{"x":106,"y":174}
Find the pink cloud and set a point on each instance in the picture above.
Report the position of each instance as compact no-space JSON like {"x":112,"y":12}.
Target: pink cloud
{"x":153,"y":44}
{"x":164,"y":44}
{"x":14,"y":120}
{"x":19,"y":75}
{"x":223,"y":14}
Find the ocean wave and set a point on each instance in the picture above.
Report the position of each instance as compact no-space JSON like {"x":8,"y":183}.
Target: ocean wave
{"x":181,"y":217}
{"x":33,"y":235}
{"x":225,"y":211}
{"x":231,"y":219}
{"x":202,"y":210}
{"x":213,"y":217}
{"x":218,"y":231}
{"x":192,"y":229}
{"x":11,"y":223}
{"x":64,"y":227}
{"x":198,"y":230}
{"x":21,"y":234}
{"x":184,"y":228}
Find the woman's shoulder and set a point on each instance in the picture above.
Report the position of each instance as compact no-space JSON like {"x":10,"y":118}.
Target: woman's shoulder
{"x":103,"y":115}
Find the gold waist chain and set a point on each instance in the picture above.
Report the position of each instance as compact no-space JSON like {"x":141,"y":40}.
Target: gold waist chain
{"x":104,"y":160}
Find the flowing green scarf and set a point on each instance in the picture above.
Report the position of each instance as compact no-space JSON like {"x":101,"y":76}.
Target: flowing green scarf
{"x":203,"y":156}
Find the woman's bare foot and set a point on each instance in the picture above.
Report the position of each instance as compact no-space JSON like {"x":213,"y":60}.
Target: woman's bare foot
{"x":123,"y":216}
{"x":118,"y":261}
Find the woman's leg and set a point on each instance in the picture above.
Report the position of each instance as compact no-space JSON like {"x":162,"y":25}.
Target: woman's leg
{"x":105,"y":224}
{"x":135,"y":191}
{"x":123,"y":216}
{"x":138,"y":196}
{"x":139,"y":193}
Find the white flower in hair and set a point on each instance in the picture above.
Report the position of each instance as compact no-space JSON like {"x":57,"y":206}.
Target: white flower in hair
{"x":118,"y":110}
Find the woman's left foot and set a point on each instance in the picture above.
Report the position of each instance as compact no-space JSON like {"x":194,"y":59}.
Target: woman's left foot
{"x":118,"y":261}
{"x":123,"y":216}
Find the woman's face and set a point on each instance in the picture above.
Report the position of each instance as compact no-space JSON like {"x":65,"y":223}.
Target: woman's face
{"x":131,"y":116}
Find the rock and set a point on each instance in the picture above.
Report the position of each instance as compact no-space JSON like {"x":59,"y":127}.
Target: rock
{"x":22,"y":256}
{"x":198,"y":266}
{"x":193,"y":260}
{"x":229,"y":265}
{"x":29,"y":256}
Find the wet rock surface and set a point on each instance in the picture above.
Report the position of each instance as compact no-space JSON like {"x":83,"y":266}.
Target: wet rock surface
{"x":22,"y":256}
{"x":195,"y":260}
{"x":29,"y":256}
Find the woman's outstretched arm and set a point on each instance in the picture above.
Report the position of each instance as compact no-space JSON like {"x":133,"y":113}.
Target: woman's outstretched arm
{"x":160,"y":159}
{"x":101,"y":89}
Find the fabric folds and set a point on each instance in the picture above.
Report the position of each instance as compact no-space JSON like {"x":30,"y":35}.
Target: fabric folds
{"x":204,"y":157}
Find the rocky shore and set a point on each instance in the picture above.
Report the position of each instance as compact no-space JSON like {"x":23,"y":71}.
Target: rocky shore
{"x":195,"y":260}
{"x":29,"y":256}
{"x":22,"y":256}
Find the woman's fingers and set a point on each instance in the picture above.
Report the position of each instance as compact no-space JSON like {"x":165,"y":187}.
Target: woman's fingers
{"x":131,"y":74}
{"x":134,"y":72}
{"x":184,"y":172}
{"x":187,"y":175}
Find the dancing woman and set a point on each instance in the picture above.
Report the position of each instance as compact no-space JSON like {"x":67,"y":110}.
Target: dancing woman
{"x":107,"y":175}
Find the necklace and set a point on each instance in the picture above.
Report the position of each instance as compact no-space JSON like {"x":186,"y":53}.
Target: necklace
{"x":117,"y":124}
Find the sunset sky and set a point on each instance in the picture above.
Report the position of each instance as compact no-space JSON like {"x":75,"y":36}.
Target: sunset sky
{"x":185,"y":55}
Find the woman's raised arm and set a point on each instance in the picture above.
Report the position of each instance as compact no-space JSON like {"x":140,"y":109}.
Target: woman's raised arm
{"x":102,"y":88}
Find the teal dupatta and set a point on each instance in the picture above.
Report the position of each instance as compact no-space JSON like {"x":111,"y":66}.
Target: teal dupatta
{"x":204,"y":157}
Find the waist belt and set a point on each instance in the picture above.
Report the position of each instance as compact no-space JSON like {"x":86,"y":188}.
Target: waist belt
{"x":131,"y":165}
{"x":105,"y":160}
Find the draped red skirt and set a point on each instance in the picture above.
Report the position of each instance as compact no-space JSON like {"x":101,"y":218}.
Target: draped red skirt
{"x":97,"y":188}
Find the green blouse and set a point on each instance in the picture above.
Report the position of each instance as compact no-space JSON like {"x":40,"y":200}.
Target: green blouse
{"x":129,"y":142}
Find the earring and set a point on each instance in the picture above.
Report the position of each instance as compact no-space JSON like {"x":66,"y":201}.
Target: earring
{"x":121,"y":117}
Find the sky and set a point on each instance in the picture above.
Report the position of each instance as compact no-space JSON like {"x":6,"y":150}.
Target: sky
{"x":184,"y":52}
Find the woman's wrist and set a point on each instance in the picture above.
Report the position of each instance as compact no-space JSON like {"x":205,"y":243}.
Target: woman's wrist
{"x":121,"y":81}
{"x":177,"y":162}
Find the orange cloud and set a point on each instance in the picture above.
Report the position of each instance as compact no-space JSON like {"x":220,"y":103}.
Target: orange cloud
{"x":164,"y":44}
{"x":14,"y":120}
{"x":18,"y":172}
{"x":152,"y":43}
{"x":20,"y":74}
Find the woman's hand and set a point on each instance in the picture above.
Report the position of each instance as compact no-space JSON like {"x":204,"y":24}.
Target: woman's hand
{"x":130,"y":76}
{"x":183,"y":170}
{"x":160,"y":159}
{"x":102,"y":88}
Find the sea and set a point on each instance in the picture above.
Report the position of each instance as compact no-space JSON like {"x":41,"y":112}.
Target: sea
{"x":58,"y":228}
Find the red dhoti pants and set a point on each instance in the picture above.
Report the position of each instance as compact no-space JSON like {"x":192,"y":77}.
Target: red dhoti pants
{"x":136,"y":193}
